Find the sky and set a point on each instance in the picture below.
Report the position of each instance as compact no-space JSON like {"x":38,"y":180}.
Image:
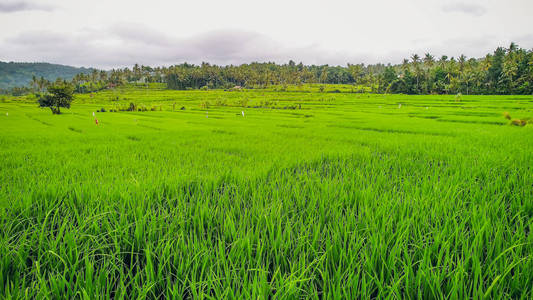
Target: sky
{"x":118,"y":33}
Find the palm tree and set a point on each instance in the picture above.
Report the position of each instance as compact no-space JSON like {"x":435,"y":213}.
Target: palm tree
{"x":355,"y":71}
{"x":429,"y":60}
{"x":34,"y":82}
{"x":462,"y":60}
{"x":442,"y":61}
{"x":405,"y":65}
{"x":94,"y":75}
{"x":42,"y":83}
{"x":103,"y":75}
{"x":416,"y":59}
{"x":324,"y":76}
{"x":513,"y":47}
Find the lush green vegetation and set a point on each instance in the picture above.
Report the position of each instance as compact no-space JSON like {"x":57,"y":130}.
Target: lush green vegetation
{"x":309,"y":194}
{"x":58,"y":95}
{"x":14,"y":74}
{"x":506,"y":71}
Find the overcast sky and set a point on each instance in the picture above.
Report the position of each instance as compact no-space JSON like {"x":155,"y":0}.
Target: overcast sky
{"x":117,"y":33}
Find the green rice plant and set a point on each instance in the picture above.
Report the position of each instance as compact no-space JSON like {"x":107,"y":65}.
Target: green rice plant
{"x":205,"y":104}
{"x":347,"y":198}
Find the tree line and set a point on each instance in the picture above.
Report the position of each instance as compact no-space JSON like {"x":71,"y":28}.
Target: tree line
{"x":505,"y":71}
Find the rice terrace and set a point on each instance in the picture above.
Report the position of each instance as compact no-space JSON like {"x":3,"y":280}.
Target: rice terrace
{"x":265,"y":180}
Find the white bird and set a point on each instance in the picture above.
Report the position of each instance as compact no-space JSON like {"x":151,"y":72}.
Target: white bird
{"x":400,"y":105}
{"x":243,"y":113}
{"x":93,"y":113}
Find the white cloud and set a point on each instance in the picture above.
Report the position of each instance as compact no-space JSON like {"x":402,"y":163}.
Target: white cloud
{"x":122,"y":32}
{"x":466,"y":8}
{"x":126,"y":44}
{"x":17,"y":6}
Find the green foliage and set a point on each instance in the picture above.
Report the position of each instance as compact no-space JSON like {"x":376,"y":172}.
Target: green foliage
{"x":59,"y":95}
{"x":205,"y":104}
{"x":519,"y":122}
{"x":506,"y":71}
{"x":14,"y":74}
{"x":507,"y":115}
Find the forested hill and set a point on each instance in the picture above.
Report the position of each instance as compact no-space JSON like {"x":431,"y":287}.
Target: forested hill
{"x":14,"y":74}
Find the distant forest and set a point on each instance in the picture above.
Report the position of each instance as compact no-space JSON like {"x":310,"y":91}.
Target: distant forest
{"x":16,"y":74}
{"x":505,"y":71}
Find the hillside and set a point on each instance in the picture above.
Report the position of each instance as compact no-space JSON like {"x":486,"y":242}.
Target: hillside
{"x":14,"y":74}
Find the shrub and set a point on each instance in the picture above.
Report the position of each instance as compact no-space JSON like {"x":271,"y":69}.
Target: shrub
{"x":507,"y":115}
{"x":132,"y":107}
{"x":242,"y":102}
{"x":518,"y":122}
{"x":221,"y":102}
{"x":205,"y":104}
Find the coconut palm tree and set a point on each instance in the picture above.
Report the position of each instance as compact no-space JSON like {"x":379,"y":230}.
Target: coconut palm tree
{"x":34,"y":82}
{"x":405,"y":64}
{"x":418,"y":71}
{"x":429,"y":60}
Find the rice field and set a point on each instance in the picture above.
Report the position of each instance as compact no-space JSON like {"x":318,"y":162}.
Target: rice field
{"x":262,"y":194}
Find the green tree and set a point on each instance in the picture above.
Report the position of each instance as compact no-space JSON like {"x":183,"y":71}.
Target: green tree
{"x":417,"y":70}
{"x":60,"y":94}
{"x":495,"y":71}
{"x":429,"y":60}
{"x":355,"y":72}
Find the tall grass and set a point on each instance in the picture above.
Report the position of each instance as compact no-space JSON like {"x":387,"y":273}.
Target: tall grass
{"x":344,"y":200}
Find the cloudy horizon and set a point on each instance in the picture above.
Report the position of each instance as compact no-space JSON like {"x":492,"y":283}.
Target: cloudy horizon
{"x":122,"y":33}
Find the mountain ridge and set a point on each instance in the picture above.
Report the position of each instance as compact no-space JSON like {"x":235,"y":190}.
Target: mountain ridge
{"x":18,"y":74}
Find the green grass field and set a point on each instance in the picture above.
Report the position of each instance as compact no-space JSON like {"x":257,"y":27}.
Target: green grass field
{"x":309,"y":195}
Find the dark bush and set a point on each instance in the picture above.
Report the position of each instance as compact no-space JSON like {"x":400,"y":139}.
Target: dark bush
{"x":518,"y":122}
